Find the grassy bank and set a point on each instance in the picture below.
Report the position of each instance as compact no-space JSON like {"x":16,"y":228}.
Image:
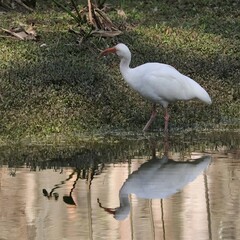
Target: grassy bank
{"x":55,"y":86}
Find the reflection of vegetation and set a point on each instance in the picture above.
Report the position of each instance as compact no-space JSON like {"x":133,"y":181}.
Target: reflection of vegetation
{"x":79,"y":173}
{"x":92,"y":155}
{"x":82,"y":156}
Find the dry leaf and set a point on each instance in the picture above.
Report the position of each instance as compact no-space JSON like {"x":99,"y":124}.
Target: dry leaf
{"x":122,"y":14}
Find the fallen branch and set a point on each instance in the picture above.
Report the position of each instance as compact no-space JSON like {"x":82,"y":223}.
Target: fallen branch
{"x":22,"y":34}
{"x":17,"y":35}
{"x":102,"y":33}
{"x":4,"y":36}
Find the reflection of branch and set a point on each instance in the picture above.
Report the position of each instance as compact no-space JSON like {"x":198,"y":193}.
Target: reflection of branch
{"x":90,"y":177}
{"x":70,"y":176}
{"x":163,"y":224}
{"x":56,"y":186}
{"x":208,"y":207}
{"x":99,"y":203}
{"x":49,"y":195}
{"x":87,"y":174}
{"x":75,"y":182}
{"x":68,"y":199}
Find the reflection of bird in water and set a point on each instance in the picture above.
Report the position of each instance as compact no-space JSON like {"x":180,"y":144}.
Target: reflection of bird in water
{"x":157,"y":178}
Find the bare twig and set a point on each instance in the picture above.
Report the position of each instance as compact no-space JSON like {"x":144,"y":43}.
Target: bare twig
{"x":90,"y":12}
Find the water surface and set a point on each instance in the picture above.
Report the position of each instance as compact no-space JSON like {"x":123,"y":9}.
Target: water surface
{"x":124,"y":187}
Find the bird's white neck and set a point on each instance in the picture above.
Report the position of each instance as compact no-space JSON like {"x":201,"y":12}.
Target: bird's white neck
{"x":124,"y":200}
{"x":124,"y":209}
{"x":124,"y":67}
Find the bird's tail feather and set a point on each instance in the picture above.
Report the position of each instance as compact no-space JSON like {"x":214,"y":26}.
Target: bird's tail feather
{"x":204,"y":96}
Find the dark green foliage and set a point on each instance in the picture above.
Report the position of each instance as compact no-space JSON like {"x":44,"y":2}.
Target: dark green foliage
{"x":76,"y":16}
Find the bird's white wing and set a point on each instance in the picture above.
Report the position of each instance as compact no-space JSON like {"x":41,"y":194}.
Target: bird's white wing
{"x":161,"y":83}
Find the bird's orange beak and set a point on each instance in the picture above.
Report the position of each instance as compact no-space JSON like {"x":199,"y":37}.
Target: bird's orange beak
{"x":107,"y":51}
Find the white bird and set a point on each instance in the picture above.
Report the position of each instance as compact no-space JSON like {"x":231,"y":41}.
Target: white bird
{"x":158,"y":82}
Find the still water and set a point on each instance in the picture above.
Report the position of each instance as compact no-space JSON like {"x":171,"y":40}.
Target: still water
{"x":123,"y":187}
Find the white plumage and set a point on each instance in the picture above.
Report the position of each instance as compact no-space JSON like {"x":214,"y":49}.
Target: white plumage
{"x":158,"y":82}
{"x":157,"y":178}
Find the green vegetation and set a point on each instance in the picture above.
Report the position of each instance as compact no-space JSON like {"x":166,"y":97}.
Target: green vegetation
{"x":56,"y":86}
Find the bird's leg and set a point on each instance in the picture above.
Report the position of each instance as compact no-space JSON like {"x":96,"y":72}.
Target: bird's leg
{"x":166,"y":117}
{"x":153,"y":115}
